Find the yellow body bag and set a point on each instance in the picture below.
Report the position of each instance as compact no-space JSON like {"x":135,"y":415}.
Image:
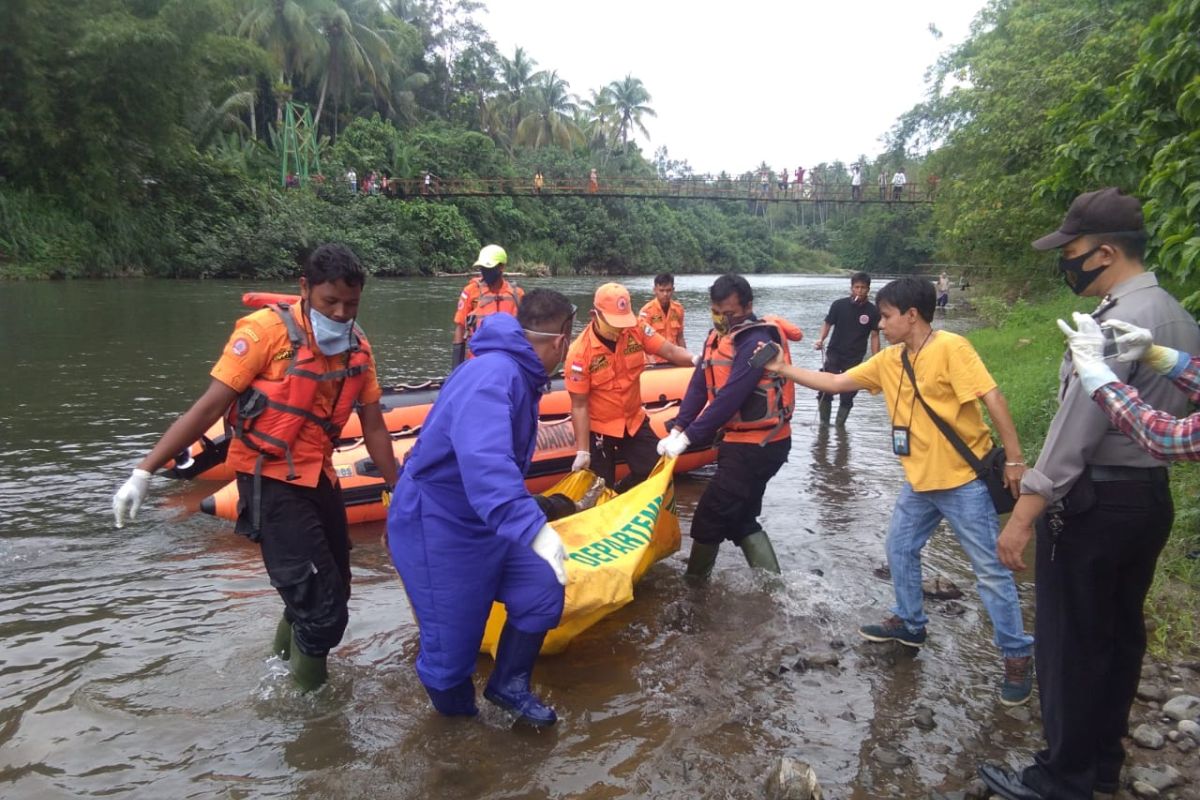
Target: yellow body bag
{"x":609,"y":547}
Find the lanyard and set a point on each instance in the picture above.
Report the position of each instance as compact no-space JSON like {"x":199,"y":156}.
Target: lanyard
{"x":900,"y":385}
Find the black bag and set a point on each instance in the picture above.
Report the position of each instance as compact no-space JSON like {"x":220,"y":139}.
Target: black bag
{"x":989,"y":469}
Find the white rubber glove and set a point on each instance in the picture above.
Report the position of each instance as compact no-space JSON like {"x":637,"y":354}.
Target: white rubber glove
{"x":548,"y":546}
{"x":583,"y":460}
{"x":696,"y":359}
{"x":129,"y":497}
{"x":674,"y":444}
{"x":1087,"y":352}
{"x":1137,"y":344}
{"x":662,"y":443}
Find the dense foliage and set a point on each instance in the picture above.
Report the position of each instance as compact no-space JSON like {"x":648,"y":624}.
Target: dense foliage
{"x":148,"y":137}
{"x":1049,"y":98}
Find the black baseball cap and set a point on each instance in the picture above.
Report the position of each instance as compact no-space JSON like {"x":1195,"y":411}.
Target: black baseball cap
{"x":1102,"y":211}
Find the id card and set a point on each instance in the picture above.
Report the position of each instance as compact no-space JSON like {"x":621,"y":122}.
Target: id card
{"x":900,"y":440}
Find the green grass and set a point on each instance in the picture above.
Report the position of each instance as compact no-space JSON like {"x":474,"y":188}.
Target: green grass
{"x":1022,"y":349}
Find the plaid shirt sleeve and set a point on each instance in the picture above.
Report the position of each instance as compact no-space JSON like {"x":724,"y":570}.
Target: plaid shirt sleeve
{"x":1160,"y":434}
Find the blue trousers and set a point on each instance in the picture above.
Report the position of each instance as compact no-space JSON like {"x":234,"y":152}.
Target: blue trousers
{"x":452,"y":578}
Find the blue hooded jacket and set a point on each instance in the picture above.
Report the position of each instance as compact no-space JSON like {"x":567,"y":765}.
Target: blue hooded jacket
{"x":467,"y":468}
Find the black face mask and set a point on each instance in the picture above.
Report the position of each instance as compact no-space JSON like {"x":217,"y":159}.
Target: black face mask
{"x":490,"y":275}
{"x":1073,"y":273}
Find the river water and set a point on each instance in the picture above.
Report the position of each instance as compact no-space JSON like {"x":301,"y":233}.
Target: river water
{"x":132,"y":662}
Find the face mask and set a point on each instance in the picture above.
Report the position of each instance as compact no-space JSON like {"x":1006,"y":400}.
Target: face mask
{"x":491,"y":275}
{"x":1073,"y":272}
{"x":723,"y":323}
{"x":332,"y":337}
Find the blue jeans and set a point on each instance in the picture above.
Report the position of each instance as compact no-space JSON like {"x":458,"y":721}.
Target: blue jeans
{"x":968,"y":509}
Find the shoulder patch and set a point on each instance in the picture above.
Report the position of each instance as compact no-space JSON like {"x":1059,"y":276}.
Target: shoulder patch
{"x":463,"y":295}
{"x":648,"y":330}
{"x":239,"y":347}
{"x":251,"y":333}
{"x":598,"y":363}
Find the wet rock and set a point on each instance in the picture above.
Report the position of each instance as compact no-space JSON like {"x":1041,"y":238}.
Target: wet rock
{"x":1152,"y":690}
{"x":1148,"y":736}
{"x":977,"y":790}
{"x":923,"y":718}
{"x":1185,"y":745}
{"x":1174,"y":736}
{"x":952,"y":608}
{"x":1142,"y":789}
{"x":1019,"y":713}
{"x":887,"y":757}
{"x":1184,"y":706}
{"x":820,"y":573}
{"x":940,"y":588}
{"x":884,"y":573}
{"x":1175,"y":678}
{"x":793,"y":780}
{"x":837,"y":644}
{"x":847,"y":716}
{"x":1160,"y":778}
{"x":1190,"y":728}
{"x":940,"y":749}
{"x":823,"y":660}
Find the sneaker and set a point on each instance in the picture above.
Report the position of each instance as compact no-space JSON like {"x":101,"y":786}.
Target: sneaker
{"x":892,"y":629}
{"x":1018,"y":681}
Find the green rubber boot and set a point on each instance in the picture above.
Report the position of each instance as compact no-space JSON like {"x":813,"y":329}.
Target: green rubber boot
{"x":309,"y":672}
{"x":843,"y":413}
{"x":701,"y":559}
{"x":759,"y":552}
{"x":825,"y":407}
{"x":282,"y":646}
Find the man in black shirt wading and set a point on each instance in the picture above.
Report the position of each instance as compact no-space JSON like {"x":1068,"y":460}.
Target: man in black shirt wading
{"x":854,"y":320}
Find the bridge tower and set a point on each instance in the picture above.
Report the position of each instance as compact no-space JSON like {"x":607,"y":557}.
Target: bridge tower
{"x":300,"y":152}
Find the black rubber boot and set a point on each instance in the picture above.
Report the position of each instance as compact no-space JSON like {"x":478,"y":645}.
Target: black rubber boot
{"x":843,"y":413}
{"x":282,"y":646}
{"x":701,"y":559}
{"x":825,"y":408}
{"x":759,"y":552}
{"x":509,"y":685}
{"x":309,"y":672}
{"x":457,"y":701}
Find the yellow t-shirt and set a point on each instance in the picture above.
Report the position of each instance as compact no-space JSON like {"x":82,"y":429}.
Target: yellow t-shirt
{"x":951,"y":378}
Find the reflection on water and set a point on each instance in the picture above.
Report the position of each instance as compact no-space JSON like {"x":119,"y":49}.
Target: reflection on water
{"x":135,"y":658}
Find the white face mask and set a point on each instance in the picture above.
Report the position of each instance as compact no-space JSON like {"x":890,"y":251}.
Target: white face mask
{"x":332,"y":337}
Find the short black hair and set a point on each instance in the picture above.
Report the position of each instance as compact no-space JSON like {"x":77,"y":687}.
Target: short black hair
{"x":1131,"y":243}
{"x":728,"y":284}
{"x":860,"y":277}
{"x":664,"y":279}
{"x":334,"y":262}
{"x":544,"y":310}
{"x":909,"y":292}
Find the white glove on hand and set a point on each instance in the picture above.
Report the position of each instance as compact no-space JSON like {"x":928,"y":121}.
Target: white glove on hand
{"x":1137,"y":344}
{"x":1087,"y":352}
{"x":696,"y":359}
{"x":129,"y":497}
{"x":548,"y":546}
{"x":674,"y":444}
{"x":583,"y":460}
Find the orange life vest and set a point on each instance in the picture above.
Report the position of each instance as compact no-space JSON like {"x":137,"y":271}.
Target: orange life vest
{"x":489,"y":302}
{"x":766,"y":414}
{"x":269,"y":415}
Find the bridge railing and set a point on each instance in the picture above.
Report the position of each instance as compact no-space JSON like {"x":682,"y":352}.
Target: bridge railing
{"x":684,"y":188}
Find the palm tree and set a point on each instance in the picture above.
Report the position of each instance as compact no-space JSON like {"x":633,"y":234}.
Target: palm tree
{"x":552,"y":118}
{"x":357,"y":52}
{"x":598,"y":119}
{"x":629,"y":98}
{"x":286,"y":29}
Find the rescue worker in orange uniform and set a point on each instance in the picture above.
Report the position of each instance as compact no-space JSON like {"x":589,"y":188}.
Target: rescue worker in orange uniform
{"x":288,"y":379}
{"x":603,"y":376}
{"x":753,"y":409}
{"x":488,"y":294}
{"x":664,"y":314}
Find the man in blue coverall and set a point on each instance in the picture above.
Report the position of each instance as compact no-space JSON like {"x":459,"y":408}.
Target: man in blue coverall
{"x":464,"y":531}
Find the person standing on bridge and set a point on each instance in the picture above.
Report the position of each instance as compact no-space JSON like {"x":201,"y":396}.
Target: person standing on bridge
{"x":855,"y":322}
{"x":951,"y":380}
{"x":883,"y":182}
{"x":538,"y":182}
{"x":664,"y":314}
{"x":488,"y":294}
{"x":593,"y":182}
{"x":855,"y":183}
{"x":898,"y":182}
{"x":603,"y":377}
{"x":464,"y":531}
{"x":288,"y":380}
{"x":751,"y":411}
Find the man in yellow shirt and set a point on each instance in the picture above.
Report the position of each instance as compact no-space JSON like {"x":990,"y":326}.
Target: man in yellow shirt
{"x":939,"y":483}
{"x":664,"y":314}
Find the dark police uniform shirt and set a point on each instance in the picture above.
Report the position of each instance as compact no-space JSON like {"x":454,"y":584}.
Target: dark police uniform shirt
{"x":852,"y":327}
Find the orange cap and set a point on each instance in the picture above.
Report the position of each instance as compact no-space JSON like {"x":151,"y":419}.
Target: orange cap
{"x":612,"y":300}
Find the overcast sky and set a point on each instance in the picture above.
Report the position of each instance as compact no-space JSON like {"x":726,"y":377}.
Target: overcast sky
{"x":795,"y":82}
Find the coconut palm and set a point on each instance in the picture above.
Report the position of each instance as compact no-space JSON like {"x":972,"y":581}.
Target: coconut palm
{"x":551,"y":119}
{"x":629,"y":98}
{"x":357,"y":52}
{"x":597,"y":119}
{"x":287,"y":30}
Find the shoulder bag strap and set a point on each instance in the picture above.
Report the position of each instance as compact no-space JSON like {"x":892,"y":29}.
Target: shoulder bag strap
{"x":941,"y":424}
